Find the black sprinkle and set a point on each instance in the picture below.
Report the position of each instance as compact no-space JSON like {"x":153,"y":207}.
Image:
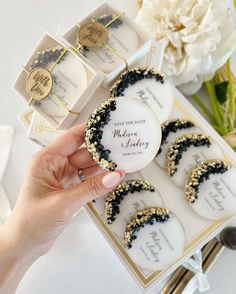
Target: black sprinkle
{"x":184,"y":145}
{"x":131,"y":77}
{"x":45,"y":58}
{"x":107,"y":18}
{"x":137,"y":187}
{"x":155,"y":218}
{"x":96,"y":128}
{"x":218,"y":168}
{"x":172,"y":127}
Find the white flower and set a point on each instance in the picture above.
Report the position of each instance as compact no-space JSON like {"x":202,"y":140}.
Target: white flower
{"x":199,"y":36}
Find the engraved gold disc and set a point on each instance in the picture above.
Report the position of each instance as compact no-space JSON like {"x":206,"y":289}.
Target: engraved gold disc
{"x":92,"y":34}
{"x":39,"y":83}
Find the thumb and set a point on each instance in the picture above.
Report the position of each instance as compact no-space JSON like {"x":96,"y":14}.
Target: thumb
{"x":92,"y":188}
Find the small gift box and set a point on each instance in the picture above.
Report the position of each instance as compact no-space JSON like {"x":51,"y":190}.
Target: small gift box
{"x":109,"y":40}
{"x":56,"y":82}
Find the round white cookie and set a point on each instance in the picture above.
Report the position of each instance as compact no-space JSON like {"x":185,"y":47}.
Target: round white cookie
{"x":217,"y":196}
{"x":133,"y":135}
{"x":123,"y":39}
{"x":159,"y":245}
{"x":131,"y":203}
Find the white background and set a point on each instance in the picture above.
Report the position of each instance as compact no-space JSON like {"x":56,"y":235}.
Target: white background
{"x":81,"y":261}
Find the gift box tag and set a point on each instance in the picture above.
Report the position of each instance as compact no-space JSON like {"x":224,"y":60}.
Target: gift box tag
{"x":130,"y":138}
{"x":69,"y":81}
{"x":216,"y":196}
{"x":148,"y":86}
{"x":159,"y":245}
{"x":122,"y":42}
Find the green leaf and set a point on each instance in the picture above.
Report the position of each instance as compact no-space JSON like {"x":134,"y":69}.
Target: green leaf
{"x":221,"y":91}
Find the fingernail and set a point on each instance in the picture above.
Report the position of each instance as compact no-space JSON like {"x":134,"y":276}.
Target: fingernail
{"x":112,"y":179}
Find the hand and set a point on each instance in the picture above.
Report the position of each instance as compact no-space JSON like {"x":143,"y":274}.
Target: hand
{"x":52,"y":193}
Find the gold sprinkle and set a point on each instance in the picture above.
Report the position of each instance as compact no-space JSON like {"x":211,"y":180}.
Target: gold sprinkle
{"x":192,"y":181}
{"x":90,"y":127}
{"x":140,"y":218}
{"x":175,"y":148}
{"x":124,"y":186}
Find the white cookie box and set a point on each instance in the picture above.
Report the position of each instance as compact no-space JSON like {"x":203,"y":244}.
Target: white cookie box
{"x":94,"y":81}
{"x":145,"y":41}
{"x":198,"y":230}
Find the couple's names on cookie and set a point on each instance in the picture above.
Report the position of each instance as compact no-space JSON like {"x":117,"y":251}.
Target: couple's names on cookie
{"x":129,"y":138}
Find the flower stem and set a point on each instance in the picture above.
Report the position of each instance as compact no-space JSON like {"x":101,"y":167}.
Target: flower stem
{"x":234,"y":3}
{"x":219,"y":130}
{"x":204,"y":109}
{"x":231,"y":96}
{"x":217,"y":78}
{"x":214,"y":102}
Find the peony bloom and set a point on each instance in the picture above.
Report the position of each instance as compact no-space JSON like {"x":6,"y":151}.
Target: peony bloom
{"x":199,"y":36}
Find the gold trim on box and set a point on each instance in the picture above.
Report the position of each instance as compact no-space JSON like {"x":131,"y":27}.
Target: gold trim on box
{"x":42,"y":128}
{"x":28,"y":116}
{"x":136,"y":270}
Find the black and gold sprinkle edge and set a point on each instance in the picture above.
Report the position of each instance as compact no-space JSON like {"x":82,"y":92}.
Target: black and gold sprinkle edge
{"x":93,"y":134}
{"x":115,"y":197}
{"x":131,"y":76}
{"x":147,"y":216}
{"x":46,"y":57}
{"x":201,"y":173}
{"x":180,"y":145}
{"x":172,"y":126}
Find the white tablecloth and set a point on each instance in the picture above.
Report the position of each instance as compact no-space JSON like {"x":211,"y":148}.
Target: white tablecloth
{"x":81,"y":261}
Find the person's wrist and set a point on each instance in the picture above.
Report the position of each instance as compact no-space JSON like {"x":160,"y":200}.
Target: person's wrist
{"x":12,"y":246}
{"x":14,"y":260}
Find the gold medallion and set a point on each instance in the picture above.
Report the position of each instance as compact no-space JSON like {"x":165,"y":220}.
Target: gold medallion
{"x":92,"y":34}
{"x":39,"y":83}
